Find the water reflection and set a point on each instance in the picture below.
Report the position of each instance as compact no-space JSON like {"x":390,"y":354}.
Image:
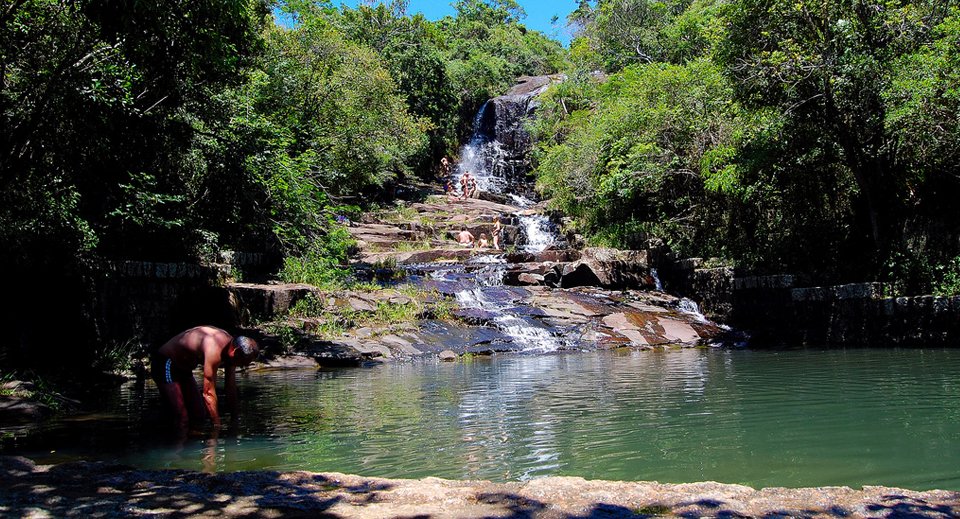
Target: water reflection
{"x":790,"y":418}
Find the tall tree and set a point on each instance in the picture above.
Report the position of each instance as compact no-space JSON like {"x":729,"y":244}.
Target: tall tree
{"x":826,"y":66}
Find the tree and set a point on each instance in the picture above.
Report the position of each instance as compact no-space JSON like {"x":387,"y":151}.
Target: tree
{"x":826,"y":66}
{"x":97,"y":104}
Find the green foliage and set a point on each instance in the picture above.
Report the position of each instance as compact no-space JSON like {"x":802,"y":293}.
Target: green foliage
{"x":322,"y":263}
{"x":811,"y":137}
{"x":634,"y":164}
{"x":346,"y":126}
{"x":949,"y":284}
{"x":923,"y":100}
{"x":116,"y":357}
{"x":287,"y":336}
{"x":833,"y":69}
{"x":614,"y":34}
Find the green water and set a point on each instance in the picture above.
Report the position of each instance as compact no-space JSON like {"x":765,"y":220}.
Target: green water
{"x":787,"y":418}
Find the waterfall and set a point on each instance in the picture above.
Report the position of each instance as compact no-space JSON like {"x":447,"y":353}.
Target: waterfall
{"x":689,"y":306}
{"x":496,"y":157}
{"x":483,"y":157}
{"x":539,"y":233}
{"x":657,"y":284}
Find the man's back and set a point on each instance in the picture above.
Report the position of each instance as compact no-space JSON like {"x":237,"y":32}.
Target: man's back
{"x":189,"y":348}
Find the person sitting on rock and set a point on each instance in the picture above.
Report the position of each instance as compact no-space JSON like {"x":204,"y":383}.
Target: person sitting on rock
{"x":465,"y":238}
{"x":448,"y":189}
{"x":482,"y":242}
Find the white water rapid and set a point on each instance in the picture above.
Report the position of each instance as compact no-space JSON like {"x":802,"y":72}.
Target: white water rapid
{"x":526,"y":333}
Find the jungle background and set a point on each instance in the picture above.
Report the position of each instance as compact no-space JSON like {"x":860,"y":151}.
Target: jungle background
{"x":820,"y":138}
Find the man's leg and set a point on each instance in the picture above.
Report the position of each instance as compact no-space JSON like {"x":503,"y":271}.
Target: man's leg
{"x":195,"y":405}
{"x":171,"y":396}
{"x":173,"y":411}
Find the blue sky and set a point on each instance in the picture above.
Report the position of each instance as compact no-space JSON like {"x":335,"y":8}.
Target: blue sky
{"x":538,"y":12}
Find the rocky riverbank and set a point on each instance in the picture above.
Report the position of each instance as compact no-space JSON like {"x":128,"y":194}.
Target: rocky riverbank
{"x":432,"y":296}
{"x":101,"y":490}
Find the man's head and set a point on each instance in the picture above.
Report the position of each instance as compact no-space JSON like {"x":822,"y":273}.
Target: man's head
{"x":245,"y":350}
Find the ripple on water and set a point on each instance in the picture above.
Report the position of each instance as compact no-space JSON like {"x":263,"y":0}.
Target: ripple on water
{"x":788,"y":418}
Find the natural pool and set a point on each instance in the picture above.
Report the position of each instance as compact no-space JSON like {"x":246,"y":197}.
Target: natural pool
{"x":761,"y":418}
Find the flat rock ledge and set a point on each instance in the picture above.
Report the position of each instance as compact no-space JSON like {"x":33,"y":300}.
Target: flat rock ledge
{"x":101,"y":490}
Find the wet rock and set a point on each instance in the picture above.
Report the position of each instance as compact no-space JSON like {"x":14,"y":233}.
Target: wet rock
{"x":447,"y":356}
{"x":579,"y":275}
{"x":493,"y":197}
{"x":475,"y":316}
{"x":608,"y":268}
{"x":527,"y":278}
{"x":526,"y":310}
{"x":399,"y":346}
{"x":436,"y":336}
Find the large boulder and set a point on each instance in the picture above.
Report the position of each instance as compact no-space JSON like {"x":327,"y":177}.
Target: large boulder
{"x":608,"y":268}
{"x":257,"y":302}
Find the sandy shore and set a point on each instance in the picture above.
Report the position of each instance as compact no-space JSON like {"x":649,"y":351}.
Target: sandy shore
{"x":100,"y":490}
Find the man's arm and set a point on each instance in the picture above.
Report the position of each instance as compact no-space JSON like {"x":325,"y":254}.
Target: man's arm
{"x":211,"y":361}
{"x":210,"y":393}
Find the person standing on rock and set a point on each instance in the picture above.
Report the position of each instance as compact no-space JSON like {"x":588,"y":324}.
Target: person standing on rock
{"x":444,"y":167}
{"x":172,"y":368}
{"x":471,"y":187}
{"x":497,"y":234}
{"x":464,"y":187}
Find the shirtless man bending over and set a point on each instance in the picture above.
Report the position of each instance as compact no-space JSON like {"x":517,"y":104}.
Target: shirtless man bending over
{"x":172,"y":369}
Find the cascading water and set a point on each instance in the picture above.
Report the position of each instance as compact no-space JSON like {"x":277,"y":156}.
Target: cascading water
{"x":525,"y":332}
{"x":689,"y":306}
{"x":539,"y":233}
{"x":483,"y":157}
{"x":658,"y":285}
{"x":499,"y":167}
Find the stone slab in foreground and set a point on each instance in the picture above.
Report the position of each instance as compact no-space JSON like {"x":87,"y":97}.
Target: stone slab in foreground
{"x":101,"y":490}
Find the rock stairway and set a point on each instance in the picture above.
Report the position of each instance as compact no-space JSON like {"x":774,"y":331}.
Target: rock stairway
{"x":589,"y":299}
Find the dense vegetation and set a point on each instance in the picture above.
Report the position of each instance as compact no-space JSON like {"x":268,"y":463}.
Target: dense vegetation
{"x":813,"y":137}
{"x":170,"y":131}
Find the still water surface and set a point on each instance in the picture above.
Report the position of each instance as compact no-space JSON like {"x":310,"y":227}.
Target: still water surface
{"x":760,"y":418}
